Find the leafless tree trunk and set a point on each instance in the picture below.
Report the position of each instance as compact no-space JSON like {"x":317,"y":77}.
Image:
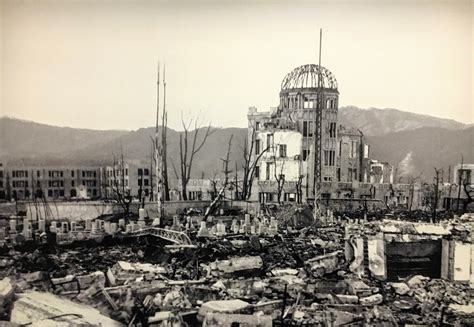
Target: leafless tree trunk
{"x":299,"y":189}
{"x":459,"y":183}
{"x":164,"y":145}
{"x":438,"y":171}
{"x":187,"y":150}
{"x":121,"y":191}
{"x":280,"y":179}
{"x":214,"y":181}
{"x":249,"y":166}
{"x":226,"y":171}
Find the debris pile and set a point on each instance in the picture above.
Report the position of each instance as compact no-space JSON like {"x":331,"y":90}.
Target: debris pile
{"x":297,"y":275}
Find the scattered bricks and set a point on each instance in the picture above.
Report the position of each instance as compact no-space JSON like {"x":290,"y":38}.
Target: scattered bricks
{"x":371,"y":300}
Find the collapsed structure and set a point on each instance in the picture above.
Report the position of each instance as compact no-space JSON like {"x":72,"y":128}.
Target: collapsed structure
{"x":285,"y":137}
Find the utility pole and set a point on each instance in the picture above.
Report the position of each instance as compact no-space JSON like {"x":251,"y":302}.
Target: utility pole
{"x":459,"y":183}
{"x":158,"y":156}
{"x":435,"y":205}
{"x":317,"y":138}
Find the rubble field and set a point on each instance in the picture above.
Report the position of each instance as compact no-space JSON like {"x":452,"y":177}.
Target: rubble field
{"x":295,"y":276}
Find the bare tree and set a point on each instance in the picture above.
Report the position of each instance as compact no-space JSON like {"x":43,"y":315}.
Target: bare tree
{"x":214,"y":180}
{"x":438,"y":171}
{"x":189,"y":146}
{"x":299,"y":189}
{"x":249,"y":165}
{"x":279,"y":178}
{"x":121,"y":191}
{"x":459,"y":183}
{"x":164,"y":143}
{"x":221,"y":192}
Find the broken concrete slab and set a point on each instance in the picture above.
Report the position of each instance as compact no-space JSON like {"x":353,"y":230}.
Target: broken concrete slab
{"x":371,"y":300}
{"x":7,"y":292}
{"x":37,"y":307}
{"x":284,"y":272}
{"x":123,"y":271}
{"x":230,"y":320}
{"x":237,"y":265}
{"x":222,"y":306}
{"x":417,"y":280}
{"x":348,"y":299}
{"x":400,"y":288}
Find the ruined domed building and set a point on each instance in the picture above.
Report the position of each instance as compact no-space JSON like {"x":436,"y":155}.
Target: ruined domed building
{"x":284,"y":139}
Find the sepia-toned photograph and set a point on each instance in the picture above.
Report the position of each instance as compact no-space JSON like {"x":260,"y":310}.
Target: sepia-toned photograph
{"x":268,"y":163}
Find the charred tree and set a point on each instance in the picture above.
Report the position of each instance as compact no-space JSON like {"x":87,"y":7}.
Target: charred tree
{"x":164,"y":144}
{"x":121,"y":192}
{"x":226,"y":172}
{"x":189,"y":145}
{"x":280,"y":179}
{"x":249,"y":165}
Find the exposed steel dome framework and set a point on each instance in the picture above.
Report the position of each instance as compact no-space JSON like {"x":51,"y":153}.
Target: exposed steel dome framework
{"x":307,"y":76}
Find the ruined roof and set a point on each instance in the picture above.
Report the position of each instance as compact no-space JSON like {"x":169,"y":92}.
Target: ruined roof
{"x":307,"y":76}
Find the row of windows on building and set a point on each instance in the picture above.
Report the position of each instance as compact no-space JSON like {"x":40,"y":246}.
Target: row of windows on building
{"x":308,"y":128}
{"x":146,"y":182}
{"x":116,"y":182}
{"x":116,"y":172}
{"x":143,"y":172}
{"x":52,"y":193}
{"x":271,"y":197}
{"x":52,"y":173}
{"x":303,"y":102}
{"x":60,"y":183}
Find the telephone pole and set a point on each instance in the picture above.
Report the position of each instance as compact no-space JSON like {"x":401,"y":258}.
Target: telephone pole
{"x":317,"y":138}
{"x":158,"y":156}
{"x":437,"y":178}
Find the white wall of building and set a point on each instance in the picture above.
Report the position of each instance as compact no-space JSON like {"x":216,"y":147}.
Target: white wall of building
{"x":289,"y":165}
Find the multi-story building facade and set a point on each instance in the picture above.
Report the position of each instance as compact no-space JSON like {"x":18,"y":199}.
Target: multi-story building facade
{"x":115,"y":179}
{"x":54,"y":182}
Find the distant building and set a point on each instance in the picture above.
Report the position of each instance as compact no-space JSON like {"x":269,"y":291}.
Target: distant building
{"x":463,"y":173}
{"x":380,"y":172}
{"x":53,"y":182}
{"x":115,"y":180}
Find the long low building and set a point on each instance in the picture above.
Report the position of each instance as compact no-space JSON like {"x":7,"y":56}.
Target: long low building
{"x":23,"y":182}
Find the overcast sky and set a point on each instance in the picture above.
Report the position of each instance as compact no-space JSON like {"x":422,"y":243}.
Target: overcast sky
{"x":93,"y":64}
